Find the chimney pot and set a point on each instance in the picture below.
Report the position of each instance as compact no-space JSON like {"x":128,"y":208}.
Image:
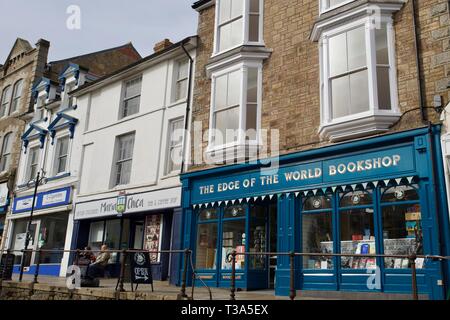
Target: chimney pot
{"x":162,"y":45}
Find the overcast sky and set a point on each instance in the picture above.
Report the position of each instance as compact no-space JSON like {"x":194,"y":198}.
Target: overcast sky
{"x":104,"y":24}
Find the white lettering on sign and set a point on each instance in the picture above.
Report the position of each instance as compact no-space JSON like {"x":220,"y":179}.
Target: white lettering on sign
{"x":364,"y":165}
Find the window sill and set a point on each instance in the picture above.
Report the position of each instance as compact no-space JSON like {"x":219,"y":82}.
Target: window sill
{"x":232,"y":153}
{"x":357,"y":126}
{"x":59,"y":176}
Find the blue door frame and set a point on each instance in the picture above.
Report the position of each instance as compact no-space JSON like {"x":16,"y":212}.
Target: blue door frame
{"x":414,"y":146}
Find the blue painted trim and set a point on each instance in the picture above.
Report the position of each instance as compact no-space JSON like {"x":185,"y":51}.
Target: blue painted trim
{"x":70,"y":123}
{"x":61,"y":176}
{"x":44,"y":270}
{"x":39,"y":199}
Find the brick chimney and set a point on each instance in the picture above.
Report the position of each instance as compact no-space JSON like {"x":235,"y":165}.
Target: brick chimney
{"x":162,"y":45}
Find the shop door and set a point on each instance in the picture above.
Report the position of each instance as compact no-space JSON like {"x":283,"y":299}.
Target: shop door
{"x":34,"y":240}
{"x":138,"y":238}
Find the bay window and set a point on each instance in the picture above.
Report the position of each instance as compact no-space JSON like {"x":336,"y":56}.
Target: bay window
{"x":358,"y":74}
{"x":326,"y":5}
{"x":235,"y":108}
{"x":238,"y":22}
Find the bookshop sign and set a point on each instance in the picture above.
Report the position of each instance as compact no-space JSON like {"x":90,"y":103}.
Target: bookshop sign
{"x":365,"y":166}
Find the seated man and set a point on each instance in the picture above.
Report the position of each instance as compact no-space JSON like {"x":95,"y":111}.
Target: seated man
{"x":96,"y":268}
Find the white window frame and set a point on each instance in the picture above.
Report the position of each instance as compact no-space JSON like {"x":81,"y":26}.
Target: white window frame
{"x":14,"y":96}
{"x":124,"y":99}
{"x":6,"y":100}
{"x":57,"y":155}
{"x":27,"y":176}
{"x":116,"y":159}
{"x":242,"y":141}
{"x":171,"y":145}
{"x":245,"y":30}
{"x":323,"y":8}
{"x":177,"y":79}
{"x":6,"y":151}
{"x":326,"y":98}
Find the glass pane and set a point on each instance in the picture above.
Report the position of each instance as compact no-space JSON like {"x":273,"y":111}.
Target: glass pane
{"x":356,"y":41}
{"x":225,"y":9}
{"x":18,"y":238}
{"x":96,"y":235}
{"x":133,"y":88}
{"x":221,"y":92}
{"x":131,"y":106}
{"x":52,"y":236}
{"x":152,"y":237}
{"x":62,"y":164}
{"x":234,"y":212}
{"x":112,"y":237}
{"x":340,"y":92}
{"x":251,"y":120}
{"x":356,"y":198}
{"x":237,"y":8}
{"x":253,"y":32}
{"x":207,"y":214}
{"x":234,"y":88}
{"x":233,"y":238}
{"x":236,"y":37}
{"x":402,"y":234}
{"x":338,"y":54}
{"x":317,"y":238}
{"x":400,"y":193}
{"x":252,"y":85}
{"x":384,"y":88}
{"x":227,"y":119}
{"x":183,"y":69}
{"x":359,"y":88}
{"x":206,"y":253}
{"x":381,"y":45}
{"x":175,"y":159}
{"x":258,"y":243}
{"x":181,"y":89}
{"x":225,"y":37}
{"x":317,"y":203}
{"x":357,"y":237}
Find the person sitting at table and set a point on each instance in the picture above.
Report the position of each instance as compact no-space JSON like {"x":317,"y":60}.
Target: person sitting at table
{"x":97,"y":268}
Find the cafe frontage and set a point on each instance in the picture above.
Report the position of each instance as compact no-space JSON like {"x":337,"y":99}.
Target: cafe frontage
{"x":382,"y":195}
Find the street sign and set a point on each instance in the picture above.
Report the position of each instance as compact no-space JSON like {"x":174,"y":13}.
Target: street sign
{"x":141,"y":269}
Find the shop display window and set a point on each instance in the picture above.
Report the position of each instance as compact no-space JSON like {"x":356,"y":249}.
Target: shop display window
{"x":233,"y":236}
{"x":52,"y":236}
{"x":402,"y":227}
{"x":317,"y":232}
{"x":357,"y":230}
{"x":206,"y":252}
{"x":153,"y":234}
{"x":258,"y":237}
{"x":234,"y":212}
{"x":96,"y":235}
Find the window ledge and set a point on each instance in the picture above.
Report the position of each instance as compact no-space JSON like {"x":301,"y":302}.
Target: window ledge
{"x":358,"y":126}
{"x":232,"y":153}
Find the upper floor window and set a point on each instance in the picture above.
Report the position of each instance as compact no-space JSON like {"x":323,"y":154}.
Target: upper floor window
{"x":61,"y":155}
{"x":6,"y":152}
{"x":175,"y":145}
{"x":69,"y":98}
{"x":131,"y":97}
{"x":32,"y":163}
{"x":17,"y":94}
{"x":235,"y":105}
{"x":326,"y":5}
{"x":358,"y":78}
{"x":123,"y":159}
{"x":6,"y":99}
{"x":238,"y":22}
{"x":181,"y":80}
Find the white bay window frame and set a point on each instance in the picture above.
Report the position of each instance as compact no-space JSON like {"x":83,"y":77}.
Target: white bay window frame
{"x":245,"y":16}
{"x":242,"y":142}
{"x":375,"y":119}
{"x":325,"y":5}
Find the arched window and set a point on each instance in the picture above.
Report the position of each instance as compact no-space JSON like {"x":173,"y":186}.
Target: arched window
{"x":17,"y":94}
{"x":6,"y":152}
{"x":317,"y":231}
{"x":402,"y":224}
{"x":6,"y":99}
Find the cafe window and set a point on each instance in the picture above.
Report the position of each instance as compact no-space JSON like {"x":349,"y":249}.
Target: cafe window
{"x":96,"y":235}
{"x":207,"y":232}
{"x":52,"y":236}
{"x":317,"y":231}
{"x":233,"y":236}
{"x":357,"y":229}
{"x":402,"y":225}
{"x":153,"y":235}
{"x":258,"y":237}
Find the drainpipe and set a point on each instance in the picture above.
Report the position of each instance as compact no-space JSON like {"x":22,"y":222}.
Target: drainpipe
{"x":417,"y":51}
{"x":188,"y":106}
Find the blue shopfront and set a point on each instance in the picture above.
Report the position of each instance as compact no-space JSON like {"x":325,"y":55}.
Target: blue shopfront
{"x":48,"y":228}
{"x":383,"y":195}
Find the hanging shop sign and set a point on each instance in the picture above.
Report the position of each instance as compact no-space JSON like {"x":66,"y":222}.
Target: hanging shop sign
{"x":44,"y":200}
{"x":365,"y":166}
{"x":131,"y":203}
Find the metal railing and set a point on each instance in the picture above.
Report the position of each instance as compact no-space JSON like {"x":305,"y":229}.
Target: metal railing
{"x":187,"y":258}
{"x":189,"y":264}
{"x":292,"y":289}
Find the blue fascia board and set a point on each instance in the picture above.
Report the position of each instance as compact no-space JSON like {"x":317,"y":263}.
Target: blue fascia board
{"x":32,"y":127}
{"x":64,"y":73}
{"x":330,"y":150}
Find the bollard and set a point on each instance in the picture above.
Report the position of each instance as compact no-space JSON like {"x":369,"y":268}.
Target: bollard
{"x":412,"y":260}
{"x":38,"y":265}
{"x":182,"y":293}
{"x":233,"y":276}
{"x":292,"y":276}
{"x":122,"y":270}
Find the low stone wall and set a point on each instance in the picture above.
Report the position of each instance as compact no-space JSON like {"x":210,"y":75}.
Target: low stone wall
{"x":29,"y":291}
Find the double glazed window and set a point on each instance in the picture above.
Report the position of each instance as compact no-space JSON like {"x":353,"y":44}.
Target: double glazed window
{"x":131,"y":97}
{"x":6,"y":152}
{"x":175,"y":145}
{"x":238,"y":22}
{"x":181,"y":80}
{"x":32,"y":163}
{"x":61,"y":156}
{"x":123,"y":159}
{"x":235,"y":105}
